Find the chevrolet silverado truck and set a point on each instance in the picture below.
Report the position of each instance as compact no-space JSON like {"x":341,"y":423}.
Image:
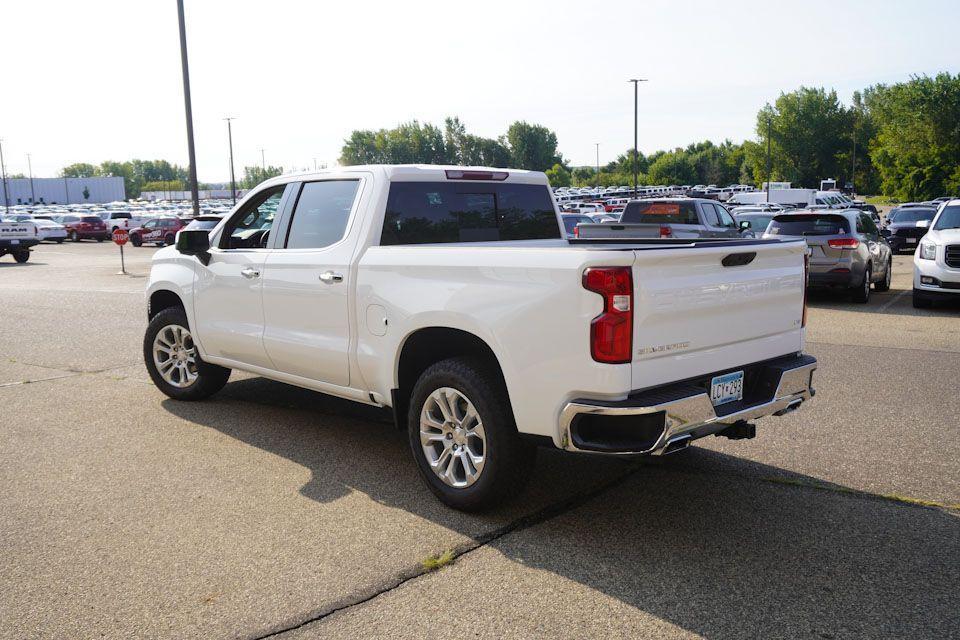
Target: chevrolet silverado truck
{"x":451,"y":296}
{"x":16,"y":238}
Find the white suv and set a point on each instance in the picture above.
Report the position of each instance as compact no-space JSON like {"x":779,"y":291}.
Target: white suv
{"x":936,"y":264}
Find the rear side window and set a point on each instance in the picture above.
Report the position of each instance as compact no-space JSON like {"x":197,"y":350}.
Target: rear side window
{"x":321,"y":214}
{"x":660,"y":212}
{"x":809,"y":225}
{"x":443,"y":212}
{"x":91,"y":219}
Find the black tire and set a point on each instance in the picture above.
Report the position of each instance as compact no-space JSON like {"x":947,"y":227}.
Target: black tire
{"x":210,"y":377}
{"x":74,"y":236}
{"x":135,"y":239}
{"x":508,"y":460}
{"x":100,"y":239}
{"x":169,"y":239}
{"x":861,"y":292}
{"x":59,"y":240}
{"x":21,"y":256}
{"x":921,"y":301}
{"x":884,"y":285}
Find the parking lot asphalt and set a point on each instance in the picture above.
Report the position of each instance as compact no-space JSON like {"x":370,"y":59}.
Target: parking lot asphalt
{"x":274,"y":510}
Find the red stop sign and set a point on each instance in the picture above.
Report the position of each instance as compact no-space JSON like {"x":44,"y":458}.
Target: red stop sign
{"x":120,"y":236}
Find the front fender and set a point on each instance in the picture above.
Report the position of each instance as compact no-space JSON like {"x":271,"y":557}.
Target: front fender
{"x":174,"y":272}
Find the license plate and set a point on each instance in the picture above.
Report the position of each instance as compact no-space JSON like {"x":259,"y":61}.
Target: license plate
{"x":726,"y":388}
{"x":911,"y":241}
{"x":14,"y":242}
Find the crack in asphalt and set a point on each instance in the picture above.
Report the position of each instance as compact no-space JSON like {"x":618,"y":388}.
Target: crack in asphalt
{"x":411,"y":573}
{"x":73,"y":373}
{"x":551,"y":511}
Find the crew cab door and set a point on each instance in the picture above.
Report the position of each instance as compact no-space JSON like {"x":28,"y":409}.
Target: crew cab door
{"x":307,"y":282}
{"x":228,"y":302}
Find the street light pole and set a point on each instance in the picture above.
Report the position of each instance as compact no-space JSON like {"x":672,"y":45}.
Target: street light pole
{"x":597,"y":145}
{"x":188,"y":110}
{"x":233,"y":180}
{"x":768,"y":158}
{"x":853,"y":168}
{"x":635,"y":82}
{"x":263,"y":161}
{"x":33,"y":196}
{"x":3,"y":168}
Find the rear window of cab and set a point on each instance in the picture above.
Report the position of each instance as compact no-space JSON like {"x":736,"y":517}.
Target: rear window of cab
{"x":453,"y":212}
{"x":808,"y":225}
{"x":660,"y":213}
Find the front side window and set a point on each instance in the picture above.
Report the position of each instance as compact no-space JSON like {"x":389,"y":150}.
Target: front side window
{"x":710,"y":215}
{"x":725,"y":219}
{"x":250,"y":227}
{"x":444,"y":212}
{"x":321,"y":213}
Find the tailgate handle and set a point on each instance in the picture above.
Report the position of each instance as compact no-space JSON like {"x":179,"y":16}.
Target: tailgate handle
{"x":738,"y":259}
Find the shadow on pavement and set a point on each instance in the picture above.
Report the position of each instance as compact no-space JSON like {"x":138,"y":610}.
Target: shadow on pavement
{"x":721,"y":554}
{"x":840,"y":300}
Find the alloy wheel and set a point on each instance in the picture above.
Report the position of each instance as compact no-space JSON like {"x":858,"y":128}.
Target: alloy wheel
{"x":452,"y":437}
{"x":175,"y":356}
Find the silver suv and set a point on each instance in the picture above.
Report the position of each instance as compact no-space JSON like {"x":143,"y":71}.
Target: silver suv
{"x":846,"y":249}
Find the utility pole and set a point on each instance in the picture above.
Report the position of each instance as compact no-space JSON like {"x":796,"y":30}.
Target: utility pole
{"x":3,"y":168}
{"x":768,"y":158}
{"x":233,"y":180}
{"x":33,"y":196}
{"x":263,"y":161}
{"x":853,"y":168}
{"x":635,"y":82}
{"x":188,"y":109}
{"x":597,"y":145}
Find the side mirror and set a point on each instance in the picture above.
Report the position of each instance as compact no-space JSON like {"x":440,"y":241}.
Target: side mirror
{"x":194,"y":242}
{"x":744,"y":225}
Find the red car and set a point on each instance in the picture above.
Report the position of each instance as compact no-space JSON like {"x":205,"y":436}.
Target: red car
{"x":80,"y":227}
{"x":162,"y":231}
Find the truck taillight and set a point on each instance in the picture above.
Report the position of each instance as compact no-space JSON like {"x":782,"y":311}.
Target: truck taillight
{"x":611,"y":332}
{"x":806,"y":271}
{"x":665,"y":231}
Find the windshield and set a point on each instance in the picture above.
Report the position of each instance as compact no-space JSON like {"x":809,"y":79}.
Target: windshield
{"x":808,"y":225}
{"x":914,"y":215}
{"x":949,"y":218}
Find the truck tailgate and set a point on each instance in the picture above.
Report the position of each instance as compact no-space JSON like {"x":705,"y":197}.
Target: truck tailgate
{"x":714,"y":307}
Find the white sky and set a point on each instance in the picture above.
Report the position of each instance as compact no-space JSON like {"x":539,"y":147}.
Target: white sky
{"x":100,"y":79}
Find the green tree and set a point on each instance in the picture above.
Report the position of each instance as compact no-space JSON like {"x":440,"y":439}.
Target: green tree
{"x":808,"y":131}
{"x":559,"y":176}
{"x":532,"y":146}
{"x":79,"y":170}
{"x":674,"y":167}
{"x":252,"y":176}
{"x":916,"y":149}
{"x":164,"y":185}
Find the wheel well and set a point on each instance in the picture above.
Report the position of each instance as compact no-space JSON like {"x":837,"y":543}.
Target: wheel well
{"x":161,"y":300}
{"x":430,"y":345}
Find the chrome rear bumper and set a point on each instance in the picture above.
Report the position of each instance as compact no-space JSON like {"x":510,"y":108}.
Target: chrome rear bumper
{"x":687,"y":413}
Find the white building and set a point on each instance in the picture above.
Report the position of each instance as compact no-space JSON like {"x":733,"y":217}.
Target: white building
{"x":62,"y":190}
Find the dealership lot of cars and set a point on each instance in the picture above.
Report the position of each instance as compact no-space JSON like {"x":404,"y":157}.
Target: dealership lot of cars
{"x":270,"y":509}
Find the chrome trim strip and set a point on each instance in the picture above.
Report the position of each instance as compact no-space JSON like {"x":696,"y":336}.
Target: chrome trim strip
{"x":690,"y":413}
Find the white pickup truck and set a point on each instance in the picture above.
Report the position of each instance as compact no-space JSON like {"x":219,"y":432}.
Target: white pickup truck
{"x":450,"y":295}
{"x":16,"y":238}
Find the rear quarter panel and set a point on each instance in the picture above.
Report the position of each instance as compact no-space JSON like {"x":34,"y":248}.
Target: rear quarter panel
{"x":526,"y":303}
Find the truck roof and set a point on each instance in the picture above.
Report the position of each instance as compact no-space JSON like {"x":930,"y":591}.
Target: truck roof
{"x":423,"y":173}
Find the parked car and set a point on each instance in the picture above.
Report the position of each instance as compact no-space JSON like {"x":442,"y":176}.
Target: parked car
{"x":753,"y":221}
{"x":160,"y":231}
{"x":936,"y":264}
{"x":449,"y":295}
{"x":906,"y":225}
{"x":50,"y":230}
{"x":846,"y":249}
{"x":16,"y":238}
{"x":668,"y":218}
{"x":571,"y":221}
{"x":120,"y":220}
{"x":84,"y":227}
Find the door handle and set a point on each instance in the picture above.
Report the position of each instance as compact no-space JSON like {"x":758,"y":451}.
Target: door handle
{"x":249,"y":273}
{"x":330,"y":277}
